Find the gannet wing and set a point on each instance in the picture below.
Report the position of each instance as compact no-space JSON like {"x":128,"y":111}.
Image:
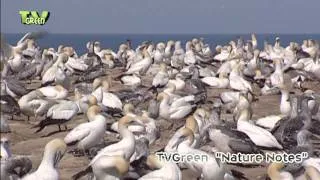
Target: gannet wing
{"x":258,"y":135}
{"x":77,"y":134}
{"x":32,"y":35}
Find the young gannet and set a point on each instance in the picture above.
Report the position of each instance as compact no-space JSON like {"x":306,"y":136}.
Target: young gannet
{"x":165,"y":169}
{"x":275,"y":174}
{"x":258,"y":135}
{"x":53,"y":153}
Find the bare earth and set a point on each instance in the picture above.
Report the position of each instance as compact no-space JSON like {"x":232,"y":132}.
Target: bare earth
{"x":25,"y":142}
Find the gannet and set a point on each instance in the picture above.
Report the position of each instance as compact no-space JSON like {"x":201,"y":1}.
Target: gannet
{"x":221,"y":82}
{"x":49,"y":76}
{"x":159,"y":52}
{"x":285,"y":107}
{"x":258,"y":135}
{"x":53,"y":153}
{"x":125,"y":147}
{"x":54,"y":92}
{"x":89,"y":134}
{"x":237,"y":82}
{"x":62,"y":113}
{"x":165,"y":169}
{"x":162,"y":77}
{"x":275,"y":173}
{"x":189,"y":57}
{"x":207,"y":169}
{"x":142,"y":65}
{"x":178,"y":82}
{"x":277,"y":76}
{"x":177,"y":109}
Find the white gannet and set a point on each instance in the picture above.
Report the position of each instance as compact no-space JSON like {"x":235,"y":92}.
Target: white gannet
{"x":277,"y":76}
{"x":178,"y":82}
{"x":221,"y":82}
{"x":53,"y":153}
{"x":162,"y":77}
{"x":109,"y":99}
{"x":159,"y":52}
{"x":178,"y":109}
{"x":164,"y":169}
{"x":237,"y":82}
{"x":110,"y":168}
{"x":189,"y":57}
{"x":62,"y":113}
{"x":126,"y":146}
{"x":142,"y":65}
{"x":207,"y":168}
{"x":50,"y":75}
{"x":54,"y":92}
{"x":285,"y":107}
{"x":89,"y":134}
{"x":275,"y":174}
{"x":258,"y":135}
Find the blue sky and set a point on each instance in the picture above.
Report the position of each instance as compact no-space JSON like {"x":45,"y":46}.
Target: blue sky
{"x":166,"y":16}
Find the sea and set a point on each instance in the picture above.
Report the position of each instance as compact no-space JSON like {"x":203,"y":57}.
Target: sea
{"x":112,"y":41}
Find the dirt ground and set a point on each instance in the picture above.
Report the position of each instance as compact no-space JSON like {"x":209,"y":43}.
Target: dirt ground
{"x":25,"y":142}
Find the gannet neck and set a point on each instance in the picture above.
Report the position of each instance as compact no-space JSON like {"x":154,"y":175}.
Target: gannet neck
{"x":244,"y":115}
{"x":53,"y":152}
{"x":154,"y":162}
{"x":273,"y":170}
{"x":128,"y":108}
{"x":192,"y":124}
{"x":93,"y":111}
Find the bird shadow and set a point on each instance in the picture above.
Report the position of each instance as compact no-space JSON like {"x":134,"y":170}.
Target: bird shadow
{"x":55,"y":132}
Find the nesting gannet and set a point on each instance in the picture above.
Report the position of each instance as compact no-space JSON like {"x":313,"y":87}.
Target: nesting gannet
{"x":50,"y":75}
{"x":258,"y":135}
{"x":54,"y":92}
{"x":237,"y":82}
{"x":221,"y":82}
{"x":133,"y":80}
{"x":159,"y":52}
{"x":206,"y":169}
{"x":141,"y":66}
{"x":189,"y":57}
{"x":275,"y":174}
{"x":277,"y":77}
{"x":89,"y":134}
{"x":177,"y":109}
{"x":109,"y":99}
{"x":165,"y":169}
{"x":53,"y":153}
{"x":5,"y":150}
{"x":285,"y":107}
{"x":162,"y":77}
{"x":178,"y":82}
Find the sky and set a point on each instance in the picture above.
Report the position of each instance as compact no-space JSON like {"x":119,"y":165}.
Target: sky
{"x":166,"y":16}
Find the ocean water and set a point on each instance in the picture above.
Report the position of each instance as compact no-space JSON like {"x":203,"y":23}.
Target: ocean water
{"x":112,"y":41}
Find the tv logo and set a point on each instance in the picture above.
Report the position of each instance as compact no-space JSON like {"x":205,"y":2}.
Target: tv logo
{"x":33,"y":18}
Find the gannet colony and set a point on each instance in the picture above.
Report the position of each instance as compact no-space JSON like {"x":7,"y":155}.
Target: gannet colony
{"x":160,"y":111}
